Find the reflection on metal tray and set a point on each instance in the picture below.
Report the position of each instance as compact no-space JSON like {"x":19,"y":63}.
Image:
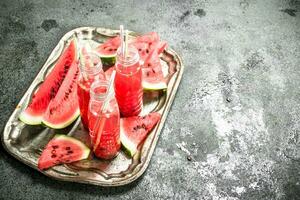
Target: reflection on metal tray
{"x":26,"y":142}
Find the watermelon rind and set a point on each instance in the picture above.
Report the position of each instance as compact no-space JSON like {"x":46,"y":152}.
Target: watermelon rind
{"x":62,"y":124}
{"x":30,"y":119}
{"x":86,"y":151}
{"x":128,"y":145}
{"x":108,"y":59}
{"x":154,"y":86}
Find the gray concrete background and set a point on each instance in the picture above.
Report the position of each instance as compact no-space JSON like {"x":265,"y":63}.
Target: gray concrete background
{"x":237,"y":110}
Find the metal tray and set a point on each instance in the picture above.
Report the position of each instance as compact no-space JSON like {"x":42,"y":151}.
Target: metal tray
{"x":26,"y":142}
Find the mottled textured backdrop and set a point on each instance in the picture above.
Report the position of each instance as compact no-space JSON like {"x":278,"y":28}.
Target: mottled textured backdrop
{"x":234,"y":128}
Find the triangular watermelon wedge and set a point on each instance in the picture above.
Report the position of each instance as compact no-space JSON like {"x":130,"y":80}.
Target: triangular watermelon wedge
{"x":33,"y":114}
{"x":134,"y":130}
{"x":62,"y":149}
{"x":64,"y":108}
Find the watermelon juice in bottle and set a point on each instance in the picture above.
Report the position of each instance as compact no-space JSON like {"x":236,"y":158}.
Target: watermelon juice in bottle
{"x":105,"y":134}
{"x":91,"y":70}
{"x":128,"y":82}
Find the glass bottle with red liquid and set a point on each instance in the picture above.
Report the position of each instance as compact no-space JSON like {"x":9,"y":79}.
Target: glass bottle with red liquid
{"x":104,"y":122}
{"x":128,"y":82}
{"x":91,"y":70}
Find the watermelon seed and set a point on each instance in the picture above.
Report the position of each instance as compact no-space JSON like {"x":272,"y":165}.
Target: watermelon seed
{"x":144,"y":126}
{"x":147,"y":51}
{"x":153,"y":71}
{"x":53,"y":156}
{"x":70,"y":152}
{"x":53,"y":151}
{"x":55,"y":146}
{"x":68,"y":148}
{"x":148,"y":74}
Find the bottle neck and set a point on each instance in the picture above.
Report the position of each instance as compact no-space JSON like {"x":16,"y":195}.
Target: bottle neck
{"x":99,"y":90}
{"x":131,"y":57}
{"x":90,"y":64}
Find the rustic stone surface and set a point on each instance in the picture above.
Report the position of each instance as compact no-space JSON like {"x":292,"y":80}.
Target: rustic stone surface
{"x":236,"y":115}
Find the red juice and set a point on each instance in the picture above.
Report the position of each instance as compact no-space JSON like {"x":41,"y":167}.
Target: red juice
{"x":91,"y":70}
{"x":128,"y":83}
{"x":105,"y":136}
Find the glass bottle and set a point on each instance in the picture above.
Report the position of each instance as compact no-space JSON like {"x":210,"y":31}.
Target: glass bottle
{"x":128,"y":82}
{"x":91,"y":70}
{"x":104,"y":134}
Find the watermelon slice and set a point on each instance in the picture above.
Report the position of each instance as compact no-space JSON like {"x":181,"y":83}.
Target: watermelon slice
{"x":32,"y":115}
{"x":62,"y":149}
{"x":64,"y":108}
{"x":134,"y":130}
{"x":153,"y":78}
{"x":107,"y":51}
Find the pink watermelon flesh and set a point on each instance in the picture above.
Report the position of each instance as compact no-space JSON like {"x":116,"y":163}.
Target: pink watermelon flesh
{"x":147,"y":43}
{"x":149,"y":38}
{"x":62,"y":149}
{"x":134,"y":130}
{"x":153,"y":77}
{"x":109,"y":47}
{"x":47,"y":91}
{"x":143,"y":49}
{"x":64,"y":108}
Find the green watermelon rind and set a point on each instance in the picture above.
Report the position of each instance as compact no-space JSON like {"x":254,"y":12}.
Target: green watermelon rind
{"x":154,"y":86}
{"x":29,"y":119}
{"x":107,"y":59}
{"x":64,"y":124}
{"x":129,"y":147}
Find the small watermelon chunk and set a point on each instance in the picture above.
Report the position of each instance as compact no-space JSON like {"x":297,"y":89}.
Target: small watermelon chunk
{"x":64,"y":108}
{"x":134,"y":130}
{"x":108,"y":50}
{"x":62,"y":149}
{"x":32,"y":115}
